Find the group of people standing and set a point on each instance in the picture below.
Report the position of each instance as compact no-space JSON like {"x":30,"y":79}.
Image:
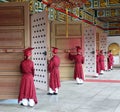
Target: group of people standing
{"x":100,"y":62}
{"x":27,"y":93}
{"x":53,"y":68}
{"x":78,"y":58}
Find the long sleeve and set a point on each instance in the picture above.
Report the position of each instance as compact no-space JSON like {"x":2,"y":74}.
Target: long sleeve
{"x":50,"y":64}
{"x":33,"y":70}
{"x":70,"y":56}
{"x":82,"y":60}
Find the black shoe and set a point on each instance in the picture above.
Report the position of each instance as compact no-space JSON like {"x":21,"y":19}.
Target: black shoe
{"x":55,"y":93}
{"x":21,"y":104}
{"x":49,"y":93}
{"x":78,"y":83}
{"x":101,"y":73}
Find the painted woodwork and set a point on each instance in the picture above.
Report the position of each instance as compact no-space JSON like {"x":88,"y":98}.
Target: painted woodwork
{"x":14,"y":37}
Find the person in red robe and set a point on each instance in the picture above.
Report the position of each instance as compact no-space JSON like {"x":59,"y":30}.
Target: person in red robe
{"x":102,"y":63}
{"x":78,"y":60}
{"x":27,"y":93}
{"x":97,"y":63}
{"x":54,"y":75}
{"x":110,"y":60}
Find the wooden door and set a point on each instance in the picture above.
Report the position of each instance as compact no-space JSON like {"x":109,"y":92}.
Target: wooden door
{"x":60,"y":40}
{"x":89,"y":49}
{"x":14,"y":37}
{"x":39,"y":36}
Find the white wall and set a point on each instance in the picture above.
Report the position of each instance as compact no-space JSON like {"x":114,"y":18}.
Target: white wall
{"x":114,"y":39}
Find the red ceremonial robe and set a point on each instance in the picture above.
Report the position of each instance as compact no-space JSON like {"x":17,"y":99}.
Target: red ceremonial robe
{"x":101,"y":61}
{"x":110,"y":61}
{"x":53,"y":68}
{"x":27,"y":87}
{"x":97,"y":64}
{"x":78,"y":70}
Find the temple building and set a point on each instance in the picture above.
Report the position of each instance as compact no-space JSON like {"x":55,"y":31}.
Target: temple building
{"x":94,"y":25}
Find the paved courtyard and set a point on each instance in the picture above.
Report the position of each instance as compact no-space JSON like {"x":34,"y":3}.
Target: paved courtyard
{"x":88,"y":97}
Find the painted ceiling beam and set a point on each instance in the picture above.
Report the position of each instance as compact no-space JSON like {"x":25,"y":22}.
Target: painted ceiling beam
{"x":3,"y":1}
{"x":73,"y":15}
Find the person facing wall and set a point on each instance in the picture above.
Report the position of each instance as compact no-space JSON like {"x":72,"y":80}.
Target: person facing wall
{"x":54,"y":75}
{"x":102,"y":62}
{"x":78,"y":69}
{"x":110,"y":60}
{"x":27,"y":93}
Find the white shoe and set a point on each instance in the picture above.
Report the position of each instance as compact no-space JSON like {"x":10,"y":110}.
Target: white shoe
{"x":56,"y":90}
{"x":111,"y":67}
{"x":51,"y":91}
{"x":24,"y":102}
{"x":102,"y":72}
{"x":78,"y":80}
{"x":31,"y":102}
{"x":96,"y":75}
{"x":81,"y":81}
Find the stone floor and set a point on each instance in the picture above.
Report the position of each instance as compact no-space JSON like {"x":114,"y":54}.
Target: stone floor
{"x":88,"y":97}
{"x":108,"y":75}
